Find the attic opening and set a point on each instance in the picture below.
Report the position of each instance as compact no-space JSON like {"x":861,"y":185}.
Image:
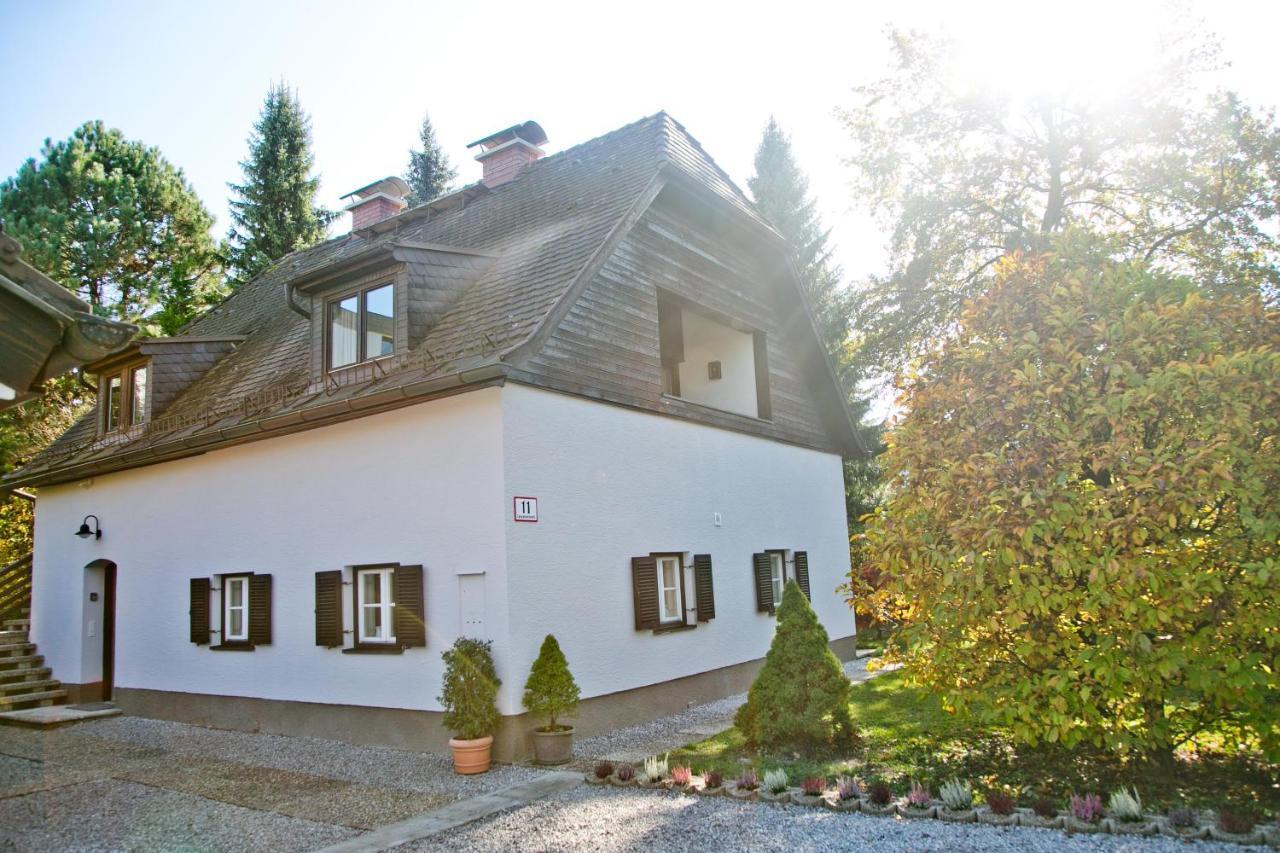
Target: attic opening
{"x":711,"y":360}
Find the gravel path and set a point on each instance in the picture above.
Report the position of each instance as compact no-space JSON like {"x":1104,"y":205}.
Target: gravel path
{"x":635,"y":743}
{"x":591,"y":818}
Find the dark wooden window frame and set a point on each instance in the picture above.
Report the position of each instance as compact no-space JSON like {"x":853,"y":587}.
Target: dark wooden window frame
{"x":684,"y":624}
{"x":223,"y":644}
{"x":361,"y":324}
{"x":124,"y":372}
{"x":363,"y":647}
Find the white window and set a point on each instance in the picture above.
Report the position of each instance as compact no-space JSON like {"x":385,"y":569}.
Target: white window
{"x":374,"y":605}
{"x":670,"y":600}
{"x":777,"y":574}
{"x":235,"y":609}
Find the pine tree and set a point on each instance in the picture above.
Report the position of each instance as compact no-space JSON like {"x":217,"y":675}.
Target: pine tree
{"x":551,"y":691}
{"x":276,"y":212}
{"x":430,"y":171}
{"x":800,"y":698}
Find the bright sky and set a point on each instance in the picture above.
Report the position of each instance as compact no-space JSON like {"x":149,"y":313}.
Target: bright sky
{"x":190,"y":78}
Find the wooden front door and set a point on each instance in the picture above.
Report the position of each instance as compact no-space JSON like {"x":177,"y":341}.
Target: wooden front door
{"x":108,"y":630}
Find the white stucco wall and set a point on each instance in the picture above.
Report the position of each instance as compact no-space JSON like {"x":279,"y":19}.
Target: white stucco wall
{"x":613,"y":483}
{"x":706,"y":341}
{"x":418,"y":485}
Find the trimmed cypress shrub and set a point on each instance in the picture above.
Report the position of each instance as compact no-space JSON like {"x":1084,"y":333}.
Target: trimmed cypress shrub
{"x":800,"y":699}
{"x":551,"y":692}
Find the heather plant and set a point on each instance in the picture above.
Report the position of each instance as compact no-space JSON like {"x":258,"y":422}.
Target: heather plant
{"x":919,"y":797}
{"x":1086,"y":807}
{"x":880,"y":794}
{"x":775,"y":780}
{"x":813,"y":786}
{"x":747,"y":780}
{"x":1044,"y":808}
{"x":604,"y":769}
{"x":1236,"y":822}
{"x":1000,"y":803}
{"x":655,"y":769}
{"x":712,"y":779}
{"x":1125,"y":805}
{"x":956,"y":795}
{"x":1183,"y":818}
{"x":681,"y":775}
{"x":847,"y":788}
{"x":625,"y":772}
{"x":800,"y":699}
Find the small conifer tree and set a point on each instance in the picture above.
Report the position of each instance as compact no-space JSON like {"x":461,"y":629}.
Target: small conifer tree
{"x":551,"y":691}
{"x":800,"y":698}
{"x":470,"y":689}
{"x":430,"y":173}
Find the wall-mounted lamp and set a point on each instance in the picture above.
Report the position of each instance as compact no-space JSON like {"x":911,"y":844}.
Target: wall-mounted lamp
{"x":84,"y":532}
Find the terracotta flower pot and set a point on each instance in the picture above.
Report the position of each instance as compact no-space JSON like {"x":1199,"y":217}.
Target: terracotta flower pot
{"x":550,"y":748}
{"x":472,"y":756}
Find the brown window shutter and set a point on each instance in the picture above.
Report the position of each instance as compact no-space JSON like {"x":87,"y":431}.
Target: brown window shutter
{"x":410,"y":613}
{"x":703,"y":587}
{"x":644,"y":589}
{"x":260,"y":610}
{"x":329,"y":609}
{"x":200,"y":611}
{"x":764,"y":583}
{"x":802,"y":572}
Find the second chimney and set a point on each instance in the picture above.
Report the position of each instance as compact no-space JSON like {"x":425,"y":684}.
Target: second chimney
{"x":507,"y":153}
{"x":376,"y":202}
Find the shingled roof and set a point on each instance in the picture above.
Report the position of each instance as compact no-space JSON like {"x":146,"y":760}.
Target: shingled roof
{"x":544,"y":229}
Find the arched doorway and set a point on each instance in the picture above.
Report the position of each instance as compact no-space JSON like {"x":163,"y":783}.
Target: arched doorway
{"x":99,"y":641}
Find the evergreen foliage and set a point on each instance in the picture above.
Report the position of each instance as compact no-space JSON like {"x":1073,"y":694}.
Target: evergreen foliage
{"x":275,"y":211}
{"x":469,"y":690}
{"x":112,"y":220}
{"x":551,"y":692}
{"x":800,"y":698}
{"x":430,"y":173}
{"x":1082,"y":538}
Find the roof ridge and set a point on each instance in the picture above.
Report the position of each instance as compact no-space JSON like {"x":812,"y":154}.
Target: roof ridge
{"x":693,"y":140}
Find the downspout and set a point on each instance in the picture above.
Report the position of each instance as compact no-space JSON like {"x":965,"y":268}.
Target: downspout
{"x":288,"y":297}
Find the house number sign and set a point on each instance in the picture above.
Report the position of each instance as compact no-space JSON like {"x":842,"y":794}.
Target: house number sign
{"x":526,"y":509}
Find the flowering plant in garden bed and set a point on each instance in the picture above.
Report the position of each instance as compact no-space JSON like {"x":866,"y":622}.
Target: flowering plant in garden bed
{"x":655,"y":772}
{"x":1182,"y":822}
{"x":918,"y":802}
{"x":600,"y":775}
{"x":746,"y":785}
{"x":681,"y":776}
{"x":957,"y":801}
{"x":999,"y":810}
{"x":811,"y":790}
{"x":1125,"y":809}
{"x":774,"y":786}
{"x":879,"y":799}
{"x":624,"y":774}
{"x":712,"y":780}
{"x":1085,"y":813}
{"x":1043,"y":813}
{"x":1235,"y":825}
{"x":847,"y":788}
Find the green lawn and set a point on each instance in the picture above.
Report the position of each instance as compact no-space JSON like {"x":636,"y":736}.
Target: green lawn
{"x":907,"y":735}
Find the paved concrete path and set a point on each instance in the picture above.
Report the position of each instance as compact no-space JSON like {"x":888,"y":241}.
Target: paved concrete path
{"x":459,"y":813}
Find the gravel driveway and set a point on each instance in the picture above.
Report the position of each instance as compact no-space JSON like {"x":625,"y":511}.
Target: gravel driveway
{"x":592,"y":818}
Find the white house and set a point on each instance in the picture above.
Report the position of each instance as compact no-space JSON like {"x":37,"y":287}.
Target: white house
{"x":584,"y":396}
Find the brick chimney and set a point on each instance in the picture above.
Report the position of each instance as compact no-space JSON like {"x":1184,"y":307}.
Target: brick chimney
{"x":376,"y":202}
{"x":505,"y":154}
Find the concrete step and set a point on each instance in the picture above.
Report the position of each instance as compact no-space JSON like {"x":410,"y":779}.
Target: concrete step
{"x":10,"y":636}
{"x":18,"y":689}
{"x":15,"y":625}
{"x":20,"y":662}
{"x":22,"y":674}
{"x":15,"y":649}
{"x":32,"y":700}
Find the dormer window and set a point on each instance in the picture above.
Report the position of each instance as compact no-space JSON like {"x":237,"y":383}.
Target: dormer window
{"x":126,"y":397}
{"x":361,"y":326}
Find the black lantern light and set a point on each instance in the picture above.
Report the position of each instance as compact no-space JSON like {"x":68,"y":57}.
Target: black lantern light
{"x":84,"y":532}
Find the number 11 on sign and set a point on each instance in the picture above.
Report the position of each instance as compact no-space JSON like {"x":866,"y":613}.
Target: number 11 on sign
{"x":526,"y":509}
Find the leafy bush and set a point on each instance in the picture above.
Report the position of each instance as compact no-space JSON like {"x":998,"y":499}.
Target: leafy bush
{"x":604,"y":769}
{"x":1000,"y":803}
{"x":712,"y":779}
{"x":1183,"y":818}
{"x":1125,"y":805}
{"x":1236,"y":822}
{"x":956,"y":795}
{"x":655,"y":769}
{"x":800,"y":699}
{"x":1044,"y":808}
{"x":551,"y":692}
{"x":813,"y":786}
{"x":880,"y":794}
{"x":625,"y":772}
{"x":775,"y":780}
{"x":1087,"y":807}
{"x":1090,"y":463}
{"x":847,"y":788}
{"x":919,"y":797}
{"x":747,"y":780}
{"x":469,"y":691}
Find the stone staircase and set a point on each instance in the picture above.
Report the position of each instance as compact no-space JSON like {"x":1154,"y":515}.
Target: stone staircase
{"x":25,"y":682}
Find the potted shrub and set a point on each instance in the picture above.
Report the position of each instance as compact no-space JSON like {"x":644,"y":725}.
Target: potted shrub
{"x":746,"y":786}
{"x":624,"y":776}
{"x":601,"y":774}
{"x":469,"y":697}
{"x":848,"y":797}
{"x":549,"y":694}
{"x":1182,"y":822}
{"x":1084,"y":814}
{"x":1236,"y":826}
{"x":879,"y":799}
{"x":999,"y":810}
{"x":957,"y":802}
{"x":1043,"y":814}
{"x":1124,"y":814}
{"x":712,"y":783}
{"x":681,"y":778}
{"x":918,"y":802}
{"x":655,"y":774}
{"x":811,"y":790}
{"x":774,"y":787}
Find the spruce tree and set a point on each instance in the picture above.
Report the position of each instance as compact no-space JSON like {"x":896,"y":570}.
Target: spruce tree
{"x":551,"y":692}
{"x":430,"y":171}
{"x":800,"y":698}
{"x":276,"y":211}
